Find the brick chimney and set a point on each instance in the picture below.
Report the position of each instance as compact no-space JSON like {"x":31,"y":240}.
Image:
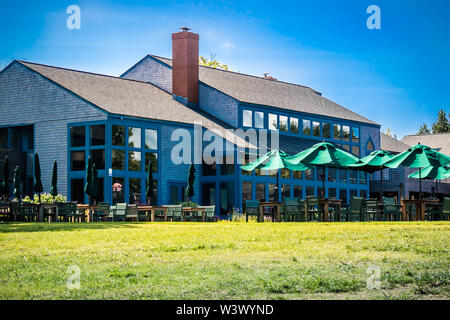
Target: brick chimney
{"x":185,"y":66}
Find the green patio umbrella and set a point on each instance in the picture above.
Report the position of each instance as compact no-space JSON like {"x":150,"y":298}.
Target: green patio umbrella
{"x":430,"y":172}
{"x":372,"y":163}
{"x":16,"y":182}
{"x":95,"y":183}
{"x":5,"y":183}
{"x":418,"y":156}
{"x":37,"y":187}
{"x":53,"y":188}
{"x":274,"y":160}
{"x":189,"y":192}
{"x":323,"y":155}
{"x":149,"y":192}
{"x":88,"y":185}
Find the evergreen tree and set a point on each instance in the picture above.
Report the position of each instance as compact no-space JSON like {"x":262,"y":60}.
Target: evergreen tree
{"x":424,"y":130}
{"x":442,"y":124}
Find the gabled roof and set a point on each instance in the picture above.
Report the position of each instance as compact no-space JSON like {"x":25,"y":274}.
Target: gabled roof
{"x":392,"y":144}
{"x":438,"y":141}
{"x":126,"y":97}
{"x":257,"y":90}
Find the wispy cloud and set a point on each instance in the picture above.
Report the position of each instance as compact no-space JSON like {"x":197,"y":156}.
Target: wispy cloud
{"x":228,"y":46}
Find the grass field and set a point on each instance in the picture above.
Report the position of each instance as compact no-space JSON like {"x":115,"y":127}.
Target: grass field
{"x":225,"y":260}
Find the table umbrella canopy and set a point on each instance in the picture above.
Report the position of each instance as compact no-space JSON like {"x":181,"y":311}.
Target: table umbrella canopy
{"x":431,"y":172}
{"x":5,"y":183}
{"x":274,"y":160}
{"x":53,"y":187}
{"x":149,"y":192}
{"x":16,"y":182}
{"x":418,"y":156}
{"x":323,"y":154}
{"x":373,"y":162}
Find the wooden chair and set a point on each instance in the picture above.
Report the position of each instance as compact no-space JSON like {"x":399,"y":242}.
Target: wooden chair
{"x":210,"y":212}
{"x":16,"y":210}
{"x":174,"y":212}
{"x":252,"y":209}
{"x":312,"y":207}
{"x":132,"y":213}
{"x":440,"y":211}
{"x":30,"y":211}
{"x":391,"y":209}
{"x":293,"y":208}
{"x":351,"y":212}
{"x":68,"y":211}
{"x":120,"y":211}
{"x":5,"y":212}
{"x":371,"y":211}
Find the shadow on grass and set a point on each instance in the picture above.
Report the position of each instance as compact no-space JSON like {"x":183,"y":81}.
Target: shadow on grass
{"x":61,"y":226}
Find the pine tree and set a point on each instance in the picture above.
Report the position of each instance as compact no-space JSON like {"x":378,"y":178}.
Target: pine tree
{"x":442,"y":124}
{"x":424,"y":130}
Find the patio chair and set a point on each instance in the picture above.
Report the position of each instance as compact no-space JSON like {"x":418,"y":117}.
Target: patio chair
{"x":440,"y":211}
{"x":132,"y":213}
{"x":391,"y":209}
{"x":5,"y":214}
{"x":252,"y":209}
{"x":351,"y":212}
{"x":16,"y":210}
{"x":312,"y":207}
{"x":371,"y":211}
{"x":120,"y":212}
{"x":174,"y":212}
{"x":209,"y":213}
{"x":29,"y":212}
{"x":68,"y":211}
{"x":293,"y":208}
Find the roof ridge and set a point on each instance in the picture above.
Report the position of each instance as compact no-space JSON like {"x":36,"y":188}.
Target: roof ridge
{"x":81,"y":71}
{"x":426,"y":134}
{"x":245,"y":74}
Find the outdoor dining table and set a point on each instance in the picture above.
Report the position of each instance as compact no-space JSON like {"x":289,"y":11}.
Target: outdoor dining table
{"x":190,"y":210}
{"x":51,"y":207}
{"x":4,"y":210}
{"x":420,"y":207}
{"x":152,"y":210}
{"x":90,"y":207}
{"x":325,"y":203}
{"x":270,"y":204}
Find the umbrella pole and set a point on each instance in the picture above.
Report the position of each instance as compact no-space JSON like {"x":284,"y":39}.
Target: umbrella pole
{"x":381,"y":185}
{"x":278,"y":186}
{"x":323,"y":182}
{"x":420,"y":184}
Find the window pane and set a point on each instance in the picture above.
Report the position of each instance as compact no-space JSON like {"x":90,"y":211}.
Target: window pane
{"x":353,"y":193}
{"x":246,"y":191}
{"x":134,"y":161}
{"x":343,"y":195}
{"x":118,"y":189}
{"x":118,"y":159}
{"x":245,"y":160}
{"x":355,"y":150}
{"x":134,"y":137}
{"x":151,"y":139}
{"x":362,"y":177}
{"x":77,"y":160}
{"x":297,"y":174}
{"x":309,"y":191}
{"x":98,"y":156}
{"x":285,"y":173}
{"x":4,"y":138}
{"x":273,"y":122}
{"x":346,"y":133}
{"x":135,"y":190}
{"x":309,"y":174}
{"x":77,"y":190}
{"x":247,"y":118}
{"x":261,"y":191}
{"x":226,"y":197}
{"x":294,"y":125}
{"x":285,"y":191}
{"x":153,"y":157}
{"x":352,"y":176}
{"x":259,"y":119}
{"x":209,"y":169}
{"x":332,"y":193}
{"x":209,"y":194}
{"x":363,"y":193}
{"x":118,"y":135}
{"x":97,"y":135}
{"x":326,"y":130}
{"x":320,"y":173}
{"x":337,"y":131}
{"x":101,"y":193}
{"x":77,"y":136}
{"x":332,"y":173}
{"x":343,"y":175}
{"x":355,"y":135}
{"x":307,"y":127}
{"x":298,"y":192}
{"x":283,"y":123}
{"x":316,"y":129}
{"x":272,"y":192}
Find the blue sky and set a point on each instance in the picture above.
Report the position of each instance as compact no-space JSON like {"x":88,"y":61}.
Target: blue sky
{"x":397,"y":76}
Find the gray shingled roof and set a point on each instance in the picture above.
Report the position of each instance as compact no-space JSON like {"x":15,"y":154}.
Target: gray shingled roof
{"x":126,"y":97}
{"x":257,"y":90}
{"x":439,"y":141}
{"x":392,"y":144}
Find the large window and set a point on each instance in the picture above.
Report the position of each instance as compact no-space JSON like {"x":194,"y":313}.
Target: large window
{"x":346,"y":133}
{"x":273,"y":121}
{"x":326,"y":130}
{"x":283,"y":123}
{"x":77,"y":136}
{"x":134,"y":137}
{"x":259,"y":119}
{"x":294,"y":125}
{"x":337,"y":131}
{"x":316,"y":129}
{"x":306,"y":127}
{"x":247,"y":118}
{"x":97,"y":135}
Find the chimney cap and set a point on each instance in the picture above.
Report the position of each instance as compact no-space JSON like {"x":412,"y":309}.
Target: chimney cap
{"x":185,"y":29}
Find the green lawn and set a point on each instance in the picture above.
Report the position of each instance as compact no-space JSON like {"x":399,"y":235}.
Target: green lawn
{"x":225,"y":260}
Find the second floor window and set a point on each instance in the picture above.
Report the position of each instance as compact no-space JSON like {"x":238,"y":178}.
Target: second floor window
{"x":247,"y":118}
